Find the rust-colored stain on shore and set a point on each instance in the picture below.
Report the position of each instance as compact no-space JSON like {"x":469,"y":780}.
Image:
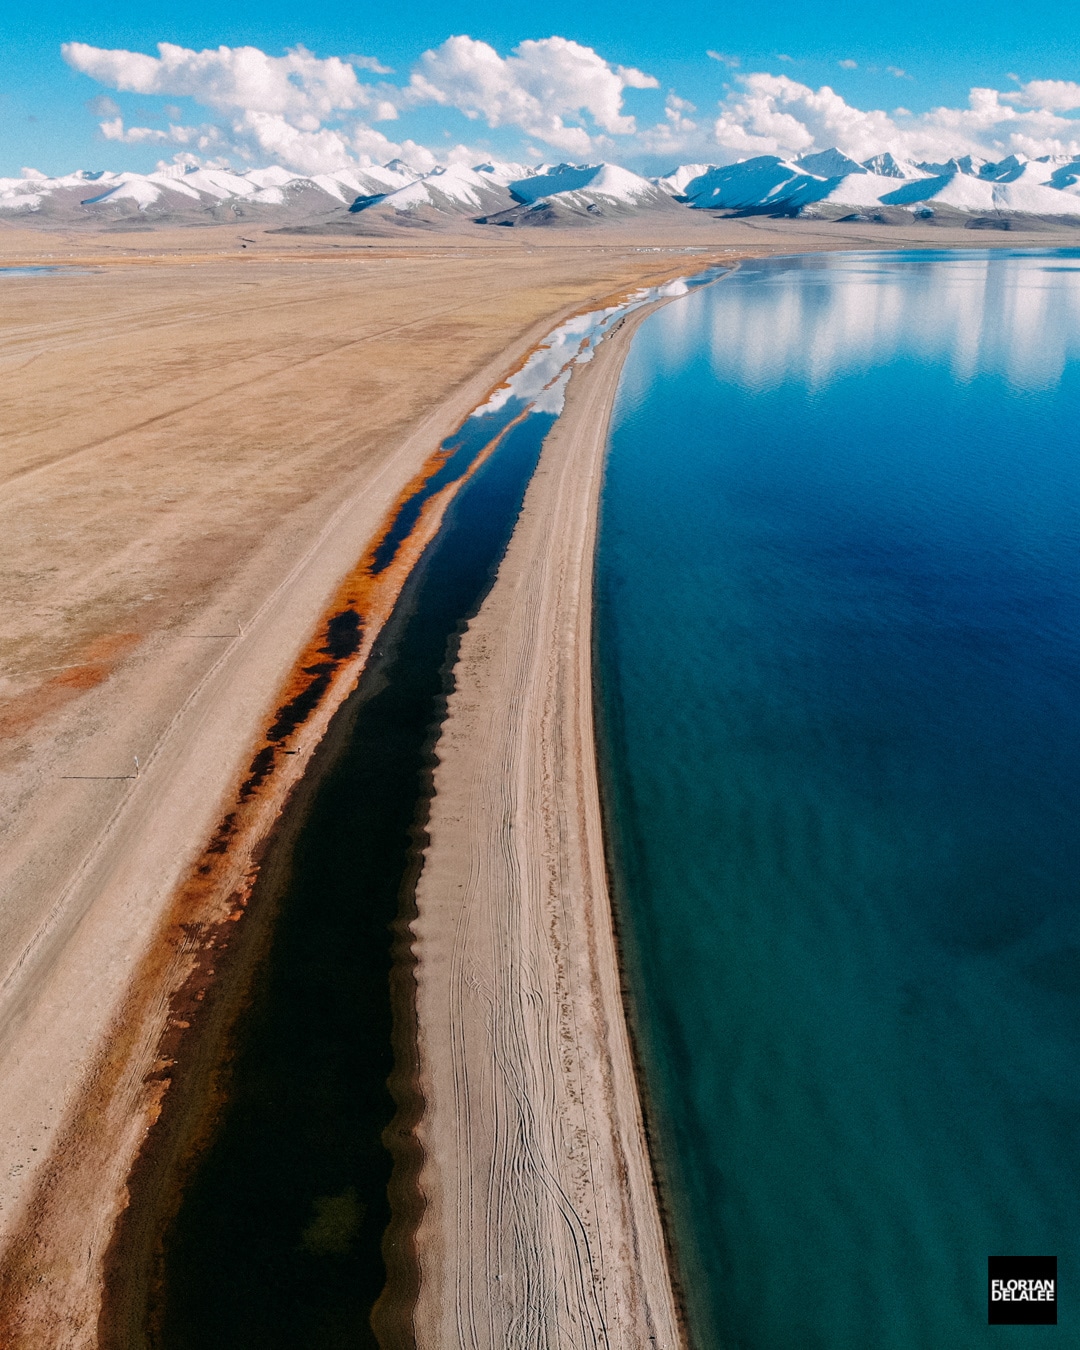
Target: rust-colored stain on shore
{"x":89,"y":665}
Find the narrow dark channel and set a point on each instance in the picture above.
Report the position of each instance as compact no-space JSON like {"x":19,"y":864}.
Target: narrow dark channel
{"x":276,"y":1239}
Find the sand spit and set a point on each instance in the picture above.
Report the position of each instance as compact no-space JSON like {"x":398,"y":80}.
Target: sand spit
{"x":541,"y":1226}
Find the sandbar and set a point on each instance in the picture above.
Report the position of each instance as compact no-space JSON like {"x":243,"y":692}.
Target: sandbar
{"x":541,"y":1225}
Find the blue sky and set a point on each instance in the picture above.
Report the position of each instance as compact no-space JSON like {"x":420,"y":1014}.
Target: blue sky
{"x":631,"y":81}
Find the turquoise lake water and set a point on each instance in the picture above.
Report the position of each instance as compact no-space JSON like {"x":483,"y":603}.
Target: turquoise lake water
{"x":838,"y":639}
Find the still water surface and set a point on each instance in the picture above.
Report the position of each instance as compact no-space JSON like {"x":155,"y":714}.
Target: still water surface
{"x":839,"y":664}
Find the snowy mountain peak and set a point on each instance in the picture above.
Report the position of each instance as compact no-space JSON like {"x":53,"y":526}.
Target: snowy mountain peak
{"x":829,"y":164}
{"x":888,"y":166}
{"x":598,"y":180}
{"x":676,"y":181}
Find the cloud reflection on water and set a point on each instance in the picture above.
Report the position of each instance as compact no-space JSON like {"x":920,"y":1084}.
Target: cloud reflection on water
{"x":812,"y":319}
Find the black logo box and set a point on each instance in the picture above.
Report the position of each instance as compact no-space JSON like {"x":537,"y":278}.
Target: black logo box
{"x":1022,"y":1291}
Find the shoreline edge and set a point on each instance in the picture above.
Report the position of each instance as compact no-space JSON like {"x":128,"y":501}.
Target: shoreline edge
{"x":541,"y":1215}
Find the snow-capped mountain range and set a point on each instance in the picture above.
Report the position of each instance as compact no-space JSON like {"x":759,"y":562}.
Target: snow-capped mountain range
{"x":828,"y":184}
{"x":807,"y":186}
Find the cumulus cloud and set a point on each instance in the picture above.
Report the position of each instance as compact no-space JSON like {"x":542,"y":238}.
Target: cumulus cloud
{"x":299,"y":107}
{"x":270,"y":137}
{"x":227,"y":78}
{"x":551,"y":88}
{"x":316,"y":114}
{"x":202,"y":138}
{"x":773,"y":114}
{"x":114,"y":130}
{"x":848,"y":64}
{"x":293,"y":108}
{"x":315,"y":149}
{"x":1057,"y":95}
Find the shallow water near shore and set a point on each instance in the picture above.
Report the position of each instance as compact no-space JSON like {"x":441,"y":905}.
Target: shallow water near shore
{"x":838,"y":666}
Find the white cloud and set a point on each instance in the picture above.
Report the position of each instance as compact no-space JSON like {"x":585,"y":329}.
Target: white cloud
{"x":848,"y":64}
{"x":1057,"y":95}
{"x":275,"y":107}
{"x":315,"y":149}
{"x":202,"y":137}
{"x":114,"y":130}
{"x":315,"y":113}
{"x":269,"y":136}
{"x":898,"y":73}
{"x":547,"y":87}
{"x":228,"y":78}
{"x":296,"y":107}
{"x":773,"y":114}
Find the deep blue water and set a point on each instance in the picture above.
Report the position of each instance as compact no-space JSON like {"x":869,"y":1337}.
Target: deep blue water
{"x":838,"y":637}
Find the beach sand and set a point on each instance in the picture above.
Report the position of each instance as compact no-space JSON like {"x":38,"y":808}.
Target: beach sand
{"x":200,"y":442}
{"x":541,"y":1226}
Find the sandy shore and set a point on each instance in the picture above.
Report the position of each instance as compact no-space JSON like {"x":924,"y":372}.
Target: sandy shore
{"x":541,"y":1225}
{"x":199,"y":444}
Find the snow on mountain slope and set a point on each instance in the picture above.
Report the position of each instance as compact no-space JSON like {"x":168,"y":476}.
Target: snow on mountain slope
{"x":571,"y":194}
{"x":142,"y":189}
{"x":762,"y":181}
{"x":178,"y":192}
{"x":585,"y":183}
{"x":676,"y":182}
{"x":502,"y":173}
{"x":503,"y":194}
{"x":348,"y":184}
{"x":767,"y":183}
{"x":853,"y":189}
{"x":826,"y":183}
{"x":890,"y":167}
{"x":966,"y":192}
{"x":1066,"y":178}
{"x":830,"y":164}
{"x":1035,"y":198}
{"x":455,"y":190}
{"x":30,"y":193}
{"x":1061,"y":172}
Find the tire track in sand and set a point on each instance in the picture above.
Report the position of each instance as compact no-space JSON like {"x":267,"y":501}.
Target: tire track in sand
{"x":541,"y":1227}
